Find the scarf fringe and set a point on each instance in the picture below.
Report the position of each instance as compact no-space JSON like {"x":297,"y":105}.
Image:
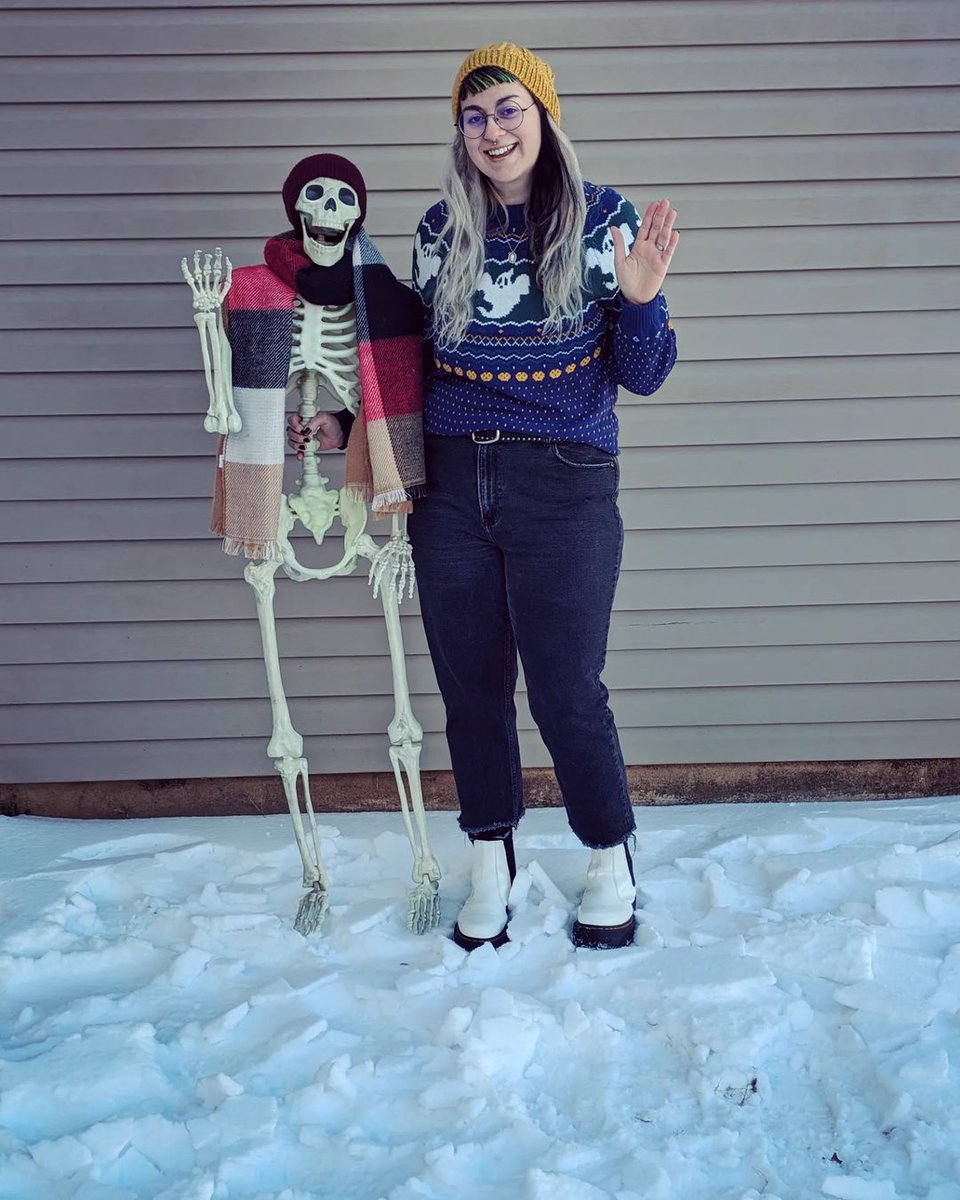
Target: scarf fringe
{"x":264,"y":551}
{"x":395,"y":501}
{"x":383,"y":504}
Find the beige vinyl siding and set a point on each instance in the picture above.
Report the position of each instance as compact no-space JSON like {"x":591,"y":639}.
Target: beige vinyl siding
{"x":791,"y":583}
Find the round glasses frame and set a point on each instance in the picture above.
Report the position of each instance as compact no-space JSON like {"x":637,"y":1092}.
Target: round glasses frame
{"x":507,"y":123}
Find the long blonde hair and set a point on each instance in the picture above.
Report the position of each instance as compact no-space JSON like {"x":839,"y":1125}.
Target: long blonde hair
{"x":556,"y":213}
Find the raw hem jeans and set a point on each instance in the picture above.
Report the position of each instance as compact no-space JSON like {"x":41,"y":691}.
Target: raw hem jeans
{"x":517,"y":547}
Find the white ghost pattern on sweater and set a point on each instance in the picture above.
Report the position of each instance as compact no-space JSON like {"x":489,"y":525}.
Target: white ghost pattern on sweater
{"x":497,"y":298}
{"x":603,"y":258}
{"x":426,"y":263}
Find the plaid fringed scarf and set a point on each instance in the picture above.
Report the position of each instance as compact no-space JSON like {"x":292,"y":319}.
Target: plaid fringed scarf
{"x":385,"y":449}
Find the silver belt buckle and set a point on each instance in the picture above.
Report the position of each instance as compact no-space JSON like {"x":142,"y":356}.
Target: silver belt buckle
{"x":479,"y":440}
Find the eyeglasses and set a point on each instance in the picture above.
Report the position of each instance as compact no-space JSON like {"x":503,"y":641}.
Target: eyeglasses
{"x":508,"y":116}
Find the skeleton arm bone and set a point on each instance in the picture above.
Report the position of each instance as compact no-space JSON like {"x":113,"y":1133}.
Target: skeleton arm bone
{"x":209,"y":282}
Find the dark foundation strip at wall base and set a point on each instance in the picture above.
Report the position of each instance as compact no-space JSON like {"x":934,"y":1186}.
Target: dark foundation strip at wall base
{"x":376,"y":792}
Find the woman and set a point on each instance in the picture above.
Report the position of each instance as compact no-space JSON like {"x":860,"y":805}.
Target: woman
{"x":543,"y":294}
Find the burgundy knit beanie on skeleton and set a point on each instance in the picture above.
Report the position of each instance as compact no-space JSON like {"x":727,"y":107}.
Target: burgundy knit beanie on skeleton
{"x":333,"y":166}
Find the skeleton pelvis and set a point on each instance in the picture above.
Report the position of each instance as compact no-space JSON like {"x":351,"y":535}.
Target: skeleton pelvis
{"x":316,"y":510}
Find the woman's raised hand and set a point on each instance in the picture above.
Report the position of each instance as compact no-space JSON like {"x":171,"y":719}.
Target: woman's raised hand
{"x":640,"y":273}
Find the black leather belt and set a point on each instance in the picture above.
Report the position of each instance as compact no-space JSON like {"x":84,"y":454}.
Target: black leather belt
{"x":487,"y":437}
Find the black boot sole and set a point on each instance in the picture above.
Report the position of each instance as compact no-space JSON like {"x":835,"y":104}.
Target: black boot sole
{"x":603,"y":937}
{"x":469,"y":943}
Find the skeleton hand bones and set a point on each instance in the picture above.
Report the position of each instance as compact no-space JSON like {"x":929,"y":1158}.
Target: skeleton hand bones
{"x":209,"y":282}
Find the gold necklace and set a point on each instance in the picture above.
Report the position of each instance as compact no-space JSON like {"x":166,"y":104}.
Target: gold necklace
{"x":512,"y":247}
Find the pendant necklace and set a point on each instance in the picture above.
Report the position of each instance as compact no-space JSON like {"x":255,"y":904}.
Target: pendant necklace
{"x":513,"y":246}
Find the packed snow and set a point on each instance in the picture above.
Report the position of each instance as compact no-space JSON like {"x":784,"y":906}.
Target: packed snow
{"x":785,"y":1026}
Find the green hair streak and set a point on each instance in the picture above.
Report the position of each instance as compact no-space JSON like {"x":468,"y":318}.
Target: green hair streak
{"x":482,"y":78}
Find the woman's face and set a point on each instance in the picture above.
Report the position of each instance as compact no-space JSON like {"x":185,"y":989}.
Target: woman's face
{"x":505,"y":157}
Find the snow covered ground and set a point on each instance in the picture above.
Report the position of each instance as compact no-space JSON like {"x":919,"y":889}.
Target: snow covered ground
{"x":786,"y":1025}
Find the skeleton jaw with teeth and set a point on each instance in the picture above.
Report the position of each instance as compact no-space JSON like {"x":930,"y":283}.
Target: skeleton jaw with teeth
{"x":328,"y":209}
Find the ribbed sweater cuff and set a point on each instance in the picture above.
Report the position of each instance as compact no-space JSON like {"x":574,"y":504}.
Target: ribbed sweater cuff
{"x":643,"y":320}
{"x":345,"y":419}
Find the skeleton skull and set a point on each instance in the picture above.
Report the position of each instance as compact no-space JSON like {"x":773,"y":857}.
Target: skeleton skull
{"x":327,"y":209}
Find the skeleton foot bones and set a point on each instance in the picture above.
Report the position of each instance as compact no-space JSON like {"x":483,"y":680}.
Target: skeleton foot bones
{"x":324,"y":209}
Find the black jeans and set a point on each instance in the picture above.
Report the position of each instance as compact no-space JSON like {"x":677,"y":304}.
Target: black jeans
{"x":517,"y":547}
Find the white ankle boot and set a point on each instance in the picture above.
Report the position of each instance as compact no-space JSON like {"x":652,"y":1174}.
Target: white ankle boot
{"x":605,"y":917}
{"x":483,"y":917}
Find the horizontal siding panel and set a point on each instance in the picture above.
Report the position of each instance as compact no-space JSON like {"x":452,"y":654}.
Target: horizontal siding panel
{"x":214,"y":218}
{"x":236,"y":757}
{"x":349,"y":677}
{"x":650,"y":422}
{"x":77,"y":5}
{"x":137,"y":453}
{"x":824,"y":462}
{"x":647,"y":629}
{"x":831,"y":334}
{"x":283,"y":29}
{"x":818,"y":385}
{"x":121,"y":306}
{"x":655,"y":508}
{"x":813,"y":249}
{"x":178,"y":600}
{"x":689,"y":466}
{"x":330,"y":717}
{"x":195,"y":77}
{"x":664,"y":161}
{"x":146,"y":560}
{"x":345,"y":123}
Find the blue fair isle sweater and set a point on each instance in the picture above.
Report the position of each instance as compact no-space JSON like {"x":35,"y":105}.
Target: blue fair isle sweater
{"x":506,"y":374}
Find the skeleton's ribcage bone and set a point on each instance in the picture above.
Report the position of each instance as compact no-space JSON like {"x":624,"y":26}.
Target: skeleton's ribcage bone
{"x":325,"y":341}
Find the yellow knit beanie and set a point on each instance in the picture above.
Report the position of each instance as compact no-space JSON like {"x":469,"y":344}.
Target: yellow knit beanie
{"x":535,"y":74}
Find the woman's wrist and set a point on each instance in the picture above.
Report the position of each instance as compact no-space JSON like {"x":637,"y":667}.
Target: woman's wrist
{"x":639,"y":303}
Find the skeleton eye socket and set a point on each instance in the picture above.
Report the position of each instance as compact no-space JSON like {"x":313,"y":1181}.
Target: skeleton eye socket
{"x":313,"y":192}
{"x":346,"y":196}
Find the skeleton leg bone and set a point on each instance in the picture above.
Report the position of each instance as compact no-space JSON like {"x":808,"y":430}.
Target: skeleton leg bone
{"x":286,"y":748}
{"x":406,"y":735}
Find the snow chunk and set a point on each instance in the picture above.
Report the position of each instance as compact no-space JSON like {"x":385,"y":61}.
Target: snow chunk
{"x":368,"y":914}
{"x":217,"y":1029}
{"x":847,"y":1187}
{"x":216,"y":1088}
{"x":548,"y":889}
{"x":502,"y":1046}
{"x":238,"y":1119}
{"x":901,"y":907}
{"x":548,"y":1185}
{"x":446,"y":1093}
{"x":837,"y":949}
{"x":454,"y":1026}
{"x":61,"y":1157}
{"x":575,"y":1021}
{"x":875,"y":998}
{"x":188,"y":966}
{"x":700,"y":973}
{"x":943,"y":906}
{"x":932,"y":1067}
{"x":85,"y":1078}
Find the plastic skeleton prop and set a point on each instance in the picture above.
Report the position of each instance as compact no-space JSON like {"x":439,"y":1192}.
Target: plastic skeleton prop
{"x":324,"y":352}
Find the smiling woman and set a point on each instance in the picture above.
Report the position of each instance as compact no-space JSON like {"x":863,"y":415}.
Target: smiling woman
{"x":543,"y":294}
{"x":506,"y":153}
